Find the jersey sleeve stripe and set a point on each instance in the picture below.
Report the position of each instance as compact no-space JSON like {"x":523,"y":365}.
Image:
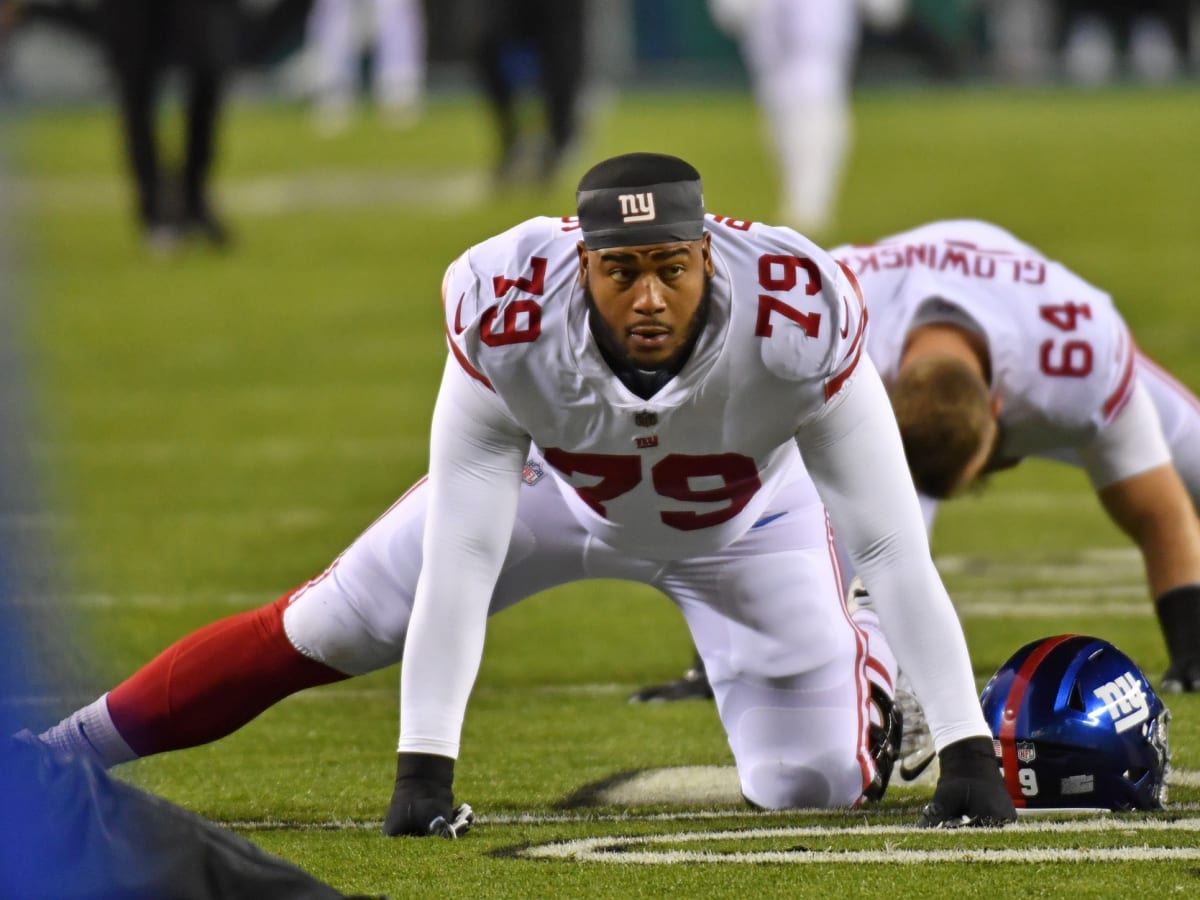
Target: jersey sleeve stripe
{"x":855,"y":352}
{"x":458,"y":354}
{"x":467,"y":367}
{"x":1168,"y":379}
{"x":834,"y":384}
{"x":858,"y":335}
{"x":1116,"y":402}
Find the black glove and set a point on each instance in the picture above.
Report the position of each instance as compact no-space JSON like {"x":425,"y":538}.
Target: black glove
{"x":423,"y":801}
{"x":970,"y":789}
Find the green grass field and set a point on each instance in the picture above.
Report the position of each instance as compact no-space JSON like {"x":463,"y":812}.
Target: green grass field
{"x":215,"y":429}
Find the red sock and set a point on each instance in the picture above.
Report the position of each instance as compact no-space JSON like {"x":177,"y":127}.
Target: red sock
{"x":213,"y":682}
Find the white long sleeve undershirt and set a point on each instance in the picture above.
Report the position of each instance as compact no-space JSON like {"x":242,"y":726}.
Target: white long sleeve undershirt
{"x":476,"y":457}
{"x":854,"y":455}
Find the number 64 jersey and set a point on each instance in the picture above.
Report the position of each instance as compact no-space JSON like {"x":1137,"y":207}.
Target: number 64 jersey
{"x":687,"y":471}
{"x":1062,"y":359}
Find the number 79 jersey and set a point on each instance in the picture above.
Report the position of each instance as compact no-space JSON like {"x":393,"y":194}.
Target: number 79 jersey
{"x":689,"y":470}
{"x":1061,"y":356}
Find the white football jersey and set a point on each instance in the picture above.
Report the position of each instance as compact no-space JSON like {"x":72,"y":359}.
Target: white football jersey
{"x":1061,"y":356}
{"x":687,"y":471}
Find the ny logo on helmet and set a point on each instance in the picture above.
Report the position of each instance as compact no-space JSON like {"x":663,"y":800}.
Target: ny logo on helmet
{"x":1124,"y":700}
{"x":637,"y":207}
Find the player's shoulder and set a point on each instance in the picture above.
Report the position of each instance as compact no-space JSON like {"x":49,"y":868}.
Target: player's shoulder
{"x":531,"y":256}
{"x":773,"y":254}
{"x":758,"y":237}
{"x":541,"y":236}
{"x":807,"y":311}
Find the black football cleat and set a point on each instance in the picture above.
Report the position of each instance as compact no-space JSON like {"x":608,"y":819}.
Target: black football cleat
{"x":692,"y":686}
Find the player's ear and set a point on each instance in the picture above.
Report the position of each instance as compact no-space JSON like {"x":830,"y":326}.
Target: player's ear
{"x":583,"y":263}
{"x":706,"y":254}
{"x":997,"y":405}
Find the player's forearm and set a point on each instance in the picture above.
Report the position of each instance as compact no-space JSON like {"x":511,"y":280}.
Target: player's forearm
{"x":1172,"y":554}
{"x":856,"y":459}
{"x":1154,"y":509}
{"x":474,"y":482}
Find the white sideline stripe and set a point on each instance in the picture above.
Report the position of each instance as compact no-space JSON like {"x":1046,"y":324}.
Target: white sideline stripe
{"x":719,"y":785}
{"x":1030,"y":605}
{"x":1102,"y":822}
{"x":1028,"y":596}
{"x":1049,"y":609}
{"x":1025,"y":502}
{"x":440,"y":194}
{"x":612,"y":849}
{"x":1183,"y":778}
{"x":1079,"y":562}
{"x":341,"y":693}
{"x":858,"y":857}
{"x":1093,"y":581}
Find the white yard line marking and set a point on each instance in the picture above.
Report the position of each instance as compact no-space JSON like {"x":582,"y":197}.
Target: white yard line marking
{"x":1049,"y":608}
{"x":1103,"y":822}
{"x":435,"y":193}
{"x":615,"y":849}
{"x":858,"y":857}
{"x":1102,"y":582}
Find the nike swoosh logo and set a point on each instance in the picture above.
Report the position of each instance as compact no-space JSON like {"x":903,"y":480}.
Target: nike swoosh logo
{"x":767,"y":520}
{"x":911,"y":773}
{"x":845,"y":329}
{"x":458,"y":325}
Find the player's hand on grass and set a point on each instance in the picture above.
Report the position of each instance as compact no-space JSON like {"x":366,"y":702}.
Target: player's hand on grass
{"x":423,"y":799}
{"x":970,"y":790}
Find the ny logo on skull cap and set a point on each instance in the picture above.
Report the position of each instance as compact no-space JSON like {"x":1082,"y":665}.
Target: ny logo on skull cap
{"x":637,"y":207}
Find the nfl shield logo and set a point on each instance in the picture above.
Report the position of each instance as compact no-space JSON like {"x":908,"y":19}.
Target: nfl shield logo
{"x":1026,"y":752}
{"x":645,"y":418}
{"x":532,"y":473}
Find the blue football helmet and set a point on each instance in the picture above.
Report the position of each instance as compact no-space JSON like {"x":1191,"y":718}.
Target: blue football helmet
{"x":1075,"y":723}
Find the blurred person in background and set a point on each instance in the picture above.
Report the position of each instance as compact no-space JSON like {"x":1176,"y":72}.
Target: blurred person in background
{"x":9,"y":9}
{"x":142,"y":40}
{"x":800,"y":57}
{"x":541,"y":40}
{"x":396,"y":37}
{"x":69,"y":831}
{"x":1101,"y":40}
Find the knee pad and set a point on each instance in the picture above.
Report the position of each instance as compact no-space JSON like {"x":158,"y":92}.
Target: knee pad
{"x":789,"y":759}
{"x":778,"y":784}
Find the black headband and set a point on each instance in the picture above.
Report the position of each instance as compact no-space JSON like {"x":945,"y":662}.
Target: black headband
{"x":649,"y":214}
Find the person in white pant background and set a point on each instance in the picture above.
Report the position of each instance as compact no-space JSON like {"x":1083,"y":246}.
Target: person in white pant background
{"x":800,"y":55}
{"x":335,"y":42}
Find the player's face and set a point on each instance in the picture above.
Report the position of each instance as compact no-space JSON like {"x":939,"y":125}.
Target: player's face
{"x":648,"y":296}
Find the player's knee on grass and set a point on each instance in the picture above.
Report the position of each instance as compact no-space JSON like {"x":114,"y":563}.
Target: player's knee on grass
{"x":786,"y":760}
{"x":778,"y":785}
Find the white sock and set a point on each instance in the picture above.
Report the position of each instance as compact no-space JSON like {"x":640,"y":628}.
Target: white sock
{"x":89,"y":731}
